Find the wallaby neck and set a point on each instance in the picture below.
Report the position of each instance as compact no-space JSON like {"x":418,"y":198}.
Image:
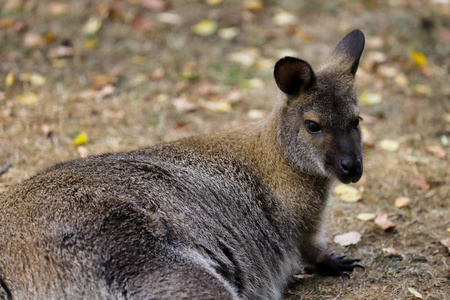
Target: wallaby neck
{"x":260,"y":145}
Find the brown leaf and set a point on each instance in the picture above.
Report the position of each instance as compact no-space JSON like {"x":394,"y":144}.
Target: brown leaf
{"x":423,"y":184}
{"x":436,"y":150}
{"x":141,"y":24}
{"x":58,"y":8}
{"x":155,"y":5}
{"x":383,"y":222}
{"x":7,"y":22}
{"x":446,"y":243}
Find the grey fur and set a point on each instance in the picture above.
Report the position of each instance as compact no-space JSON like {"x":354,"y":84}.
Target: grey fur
{"x":225,"y":216}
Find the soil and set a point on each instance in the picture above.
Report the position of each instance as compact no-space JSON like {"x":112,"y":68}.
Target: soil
{"x":133,"y":73}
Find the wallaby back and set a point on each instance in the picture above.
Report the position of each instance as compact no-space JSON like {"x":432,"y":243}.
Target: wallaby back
{"x":224,"y":216}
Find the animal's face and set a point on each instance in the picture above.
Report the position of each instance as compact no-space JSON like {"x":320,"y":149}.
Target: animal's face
{"x":319,"y":126}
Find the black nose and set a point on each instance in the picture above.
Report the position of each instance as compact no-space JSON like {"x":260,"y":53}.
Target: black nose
{"x":350,"y":166}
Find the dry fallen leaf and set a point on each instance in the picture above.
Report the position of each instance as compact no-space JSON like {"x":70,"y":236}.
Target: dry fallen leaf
{"x":347,"y":193}
{"x":246,"y":57}
{"x":155,"y":5}
{"x":390,"y":252}
{"x":253,"y":5}
{"x":228,"y":33}
{"x":422,"y":90}
{"x":46,"y":130}
{"x":183,"y":105}
{"x":33,"y":40}
{"x":436,"y":150}
{"x":33,"y":78}
{"x":446,"y":243}
{"x":61,"y":51}
{"x":92,"y":26}
{"x":253,"y":83}
{"x":28,"y":98}
{"x":169,"y":18}
{"x":402,"y":202}
{"x":141,"y":24}
{"x":205,"y":27}
{"x":383,"y":222}
{"x":349,"y":238}
{"x":415,"y":293}
{"x":423,"y":184}
{"x":284,"y":18}
{"x":419,"y":59}
{"x":367,"y":139}
{"x":82,"y":151}
{"x":218,"y":106}
{"x":9,"y":79}
{"x":389,"y":145}
{"x":370,"y":99}
{"x":448,"y":230}
{"x":80,"y":139}
{"x":401,"y":80}
{"x":58,"y":8}
{"x":213,"y":2}
{"x":255,"y":114}
{"x":366,"y":216}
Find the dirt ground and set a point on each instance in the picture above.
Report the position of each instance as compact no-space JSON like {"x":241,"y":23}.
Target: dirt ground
{"x":133,"y":73}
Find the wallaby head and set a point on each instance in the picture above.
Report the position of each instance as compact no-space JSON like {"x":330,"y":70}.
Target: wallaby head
{"x":320,"y":116}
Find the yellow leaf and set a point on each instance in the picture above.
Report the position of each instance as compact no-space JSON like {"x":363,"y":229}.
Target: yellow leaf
{"x":402,"y":202}
{"x":34,"y":78}
{"x":448,"y":230}
{"x":419,"y":59}
{"x":205,"y":27}
{"x":415,"y":293}
{"x":9,"y":80}
{"x":228,"y":33}
{"x":284,"y":18}
{"x":253,"y":83}
{"x":27,"y":99}
{"x":90,"y":43}
{"x":218,"y":106}
{"x":213,"y":2}
{"x":80,"y":139}
{"x":253,"y":5}
{"x":347,"y":193}
{"x":366,"y":216}
{"x":370,"y":99}
{"x":389,"y":145}
{"x":92,"y":26}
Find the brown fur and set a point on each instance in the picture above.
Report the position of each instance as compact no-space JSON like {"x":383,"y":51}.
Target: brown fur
{"x":223,"y":216}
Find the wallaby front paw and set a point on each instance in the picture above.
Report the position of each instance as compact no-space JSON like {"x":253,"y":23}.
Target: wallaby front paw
{"x":336,"y":266}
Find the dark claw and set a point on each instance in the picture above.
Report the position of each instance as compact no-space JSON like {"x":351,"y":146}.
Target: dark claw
{"x":344,"y":274}
{"x":336,"y":265}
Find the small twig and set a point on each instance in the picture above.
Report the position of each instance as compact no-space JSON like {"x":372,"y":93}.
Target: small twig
{"x":5,"y":168}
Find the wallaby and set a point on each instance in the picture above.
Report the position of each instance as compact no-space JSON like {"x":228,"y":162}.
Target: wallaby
{"x":224,"y":216}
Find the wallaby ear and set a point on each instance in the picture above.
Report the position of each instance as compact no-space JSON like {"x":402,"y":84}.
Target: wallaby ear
{"x":348,"y":52}
{"x":293,"y":75}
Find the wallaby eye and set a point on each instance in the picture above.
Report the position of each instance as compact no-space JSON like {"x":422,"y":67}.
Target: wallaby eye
{"x":312,"y":127}
{"x":356,"y":122}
